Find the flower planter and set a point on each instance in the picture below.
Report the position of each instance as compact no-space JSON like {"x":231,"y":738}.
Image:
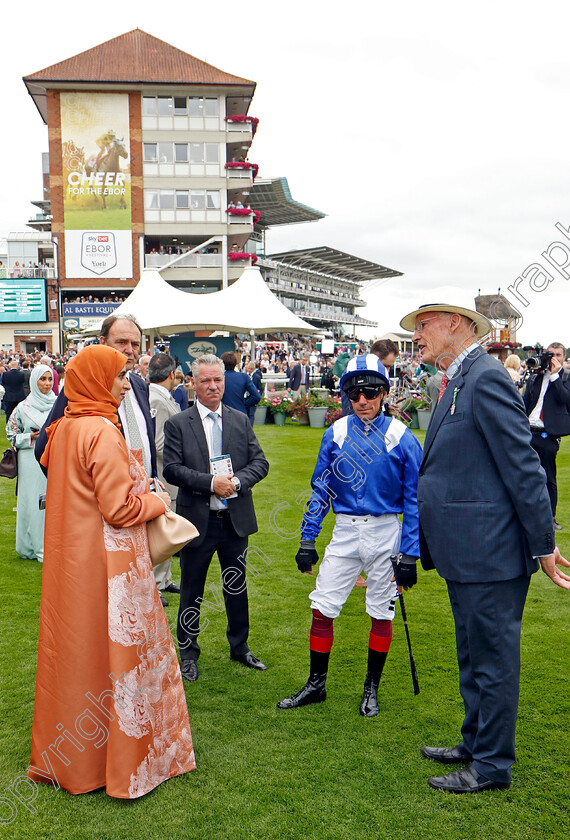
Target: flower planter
{"x":317,"y":416}
{"x":260,"y":415}
{"x":303,"y":419}
{"x":279,"y":418}
{"x":413,"y":424}
{"x":424,"y":416}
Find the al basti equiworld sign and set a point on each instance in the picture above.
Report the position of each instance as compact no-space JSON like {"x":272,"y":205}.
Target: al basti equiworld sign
{"x":95,"y":144}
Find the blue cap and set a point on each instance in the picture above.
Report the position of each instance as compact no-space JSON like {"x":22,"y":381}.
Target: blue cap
{"x":366,"y":369}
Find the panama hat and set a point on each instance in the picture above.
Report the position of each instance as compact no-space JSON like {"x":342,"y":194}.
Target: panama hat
{"x":482,"y":325}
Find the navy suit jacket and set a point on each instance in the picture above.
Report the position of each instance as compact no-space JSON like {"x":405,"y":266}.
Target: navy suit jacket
{"x":13,"y":382}
{"x":236,"y":385}
{"x":186,"y":464}
{"x":256,"y":378}
{"x":484,"y":508}
{"x":140,"y":391}
{"x":556,"y":404}
{"x":295,"y":378}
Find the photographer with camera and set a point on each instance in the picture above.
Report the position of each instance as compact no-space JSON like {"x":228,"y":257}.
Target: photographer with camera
{"x":547,"y":404}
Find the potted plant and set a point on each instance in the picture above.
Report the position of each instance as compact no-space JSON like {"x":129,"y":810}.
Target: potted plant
{"x":334,"y":411}
{"x":278,"y":403}
{"x":423,"y":409}
{"x":261,"y":412}
{"x":299,"y":411}
{"x":318,"y":405}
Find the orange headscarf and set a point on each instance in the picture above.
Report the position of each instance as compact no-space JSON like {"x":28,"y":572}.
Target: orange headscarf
{"x":89,"y":377}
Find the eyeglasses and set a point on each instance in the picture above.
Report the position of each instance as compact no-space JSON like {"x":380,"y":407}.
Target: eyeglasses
{"x":421,"y":325}
{"x":370,"y":392}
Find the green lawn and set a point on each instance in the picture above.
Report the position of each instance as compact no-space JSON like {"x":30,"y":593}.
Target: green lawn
{"x":320,"y":772}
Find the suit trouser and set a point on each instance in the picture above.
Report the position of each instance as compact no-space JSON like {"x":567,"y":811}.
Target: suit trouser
{"x":194,"y":564}
{"x":487,"y":629}
{"x":163,"y":574}
{"x":547,"y":450}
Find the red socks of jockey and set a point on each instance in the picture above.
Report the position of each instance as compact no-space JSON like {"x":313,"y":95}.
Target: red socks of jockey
{"x":321,"y":641}
{"x":378,"y":646}
{"x":322,"y":636}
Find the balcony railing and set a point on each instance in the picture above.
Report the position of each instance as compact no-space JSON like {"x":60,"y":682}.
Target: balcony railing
{"x":29,"y":273}
{"x":191,"y":261}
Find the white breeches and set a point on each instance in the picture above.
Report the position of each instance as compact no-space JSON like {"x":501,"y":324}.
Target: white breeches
{"x":359,"y":544}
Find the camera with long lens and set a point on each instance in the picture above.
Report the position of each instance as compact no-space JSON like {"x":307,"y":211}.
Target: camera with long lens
{"x":541,"y":359}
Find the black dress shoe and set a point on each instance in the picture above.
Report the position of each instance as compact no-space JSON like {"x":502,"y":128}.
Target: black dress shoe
{"x":447,"y":755}
{"x":312,"y":692}
{"x":163,"y":601}
{"x":172,"y":587}
{"x":189,"y":669}
{"x":249,"y":660}
{"x":369,"y":704}
{"x":466,"y":780}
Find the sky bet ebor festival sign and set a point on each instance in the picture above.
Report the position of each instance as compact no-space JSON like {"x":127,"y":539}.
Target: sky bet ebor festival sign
{"x":96,"y":184}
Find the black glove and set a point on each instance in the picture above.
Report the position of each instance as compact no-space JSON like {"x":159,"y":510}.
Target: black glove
{"x":405,"y":571}
{"x":307,"y":556}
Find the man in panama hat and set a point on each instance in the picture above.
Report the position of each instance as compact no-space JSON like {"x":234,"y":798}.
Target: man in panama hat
{"x":486,"y":526}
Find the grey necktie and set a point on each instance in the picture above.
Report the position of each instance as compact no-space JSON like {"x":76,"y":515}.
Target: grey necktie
{"x":216,"y":435}
{"x":135,"y":436}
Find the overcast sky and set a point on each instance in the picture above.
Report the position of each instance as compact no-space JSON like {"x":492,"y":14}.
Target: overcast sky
{"x":434,"y":135}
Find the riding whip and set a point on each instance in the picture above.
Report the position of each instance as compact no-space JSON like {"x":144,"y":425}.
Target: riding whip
{"x":415,"y":682}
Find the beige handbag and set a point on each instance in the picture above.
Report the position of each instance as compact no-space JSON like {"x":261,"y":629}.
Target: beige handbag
{"x":167,"y":534}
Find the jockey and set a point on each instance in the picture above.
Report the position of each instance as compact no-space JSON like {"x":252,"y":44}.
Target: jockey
{"x":367,"y":468}
{"x":104,"y":142}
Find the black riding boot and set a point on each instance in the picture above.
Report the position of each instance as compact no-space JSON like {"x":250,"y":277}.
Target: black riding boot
{"x":314,"y":689}
{"x":369,"y":704}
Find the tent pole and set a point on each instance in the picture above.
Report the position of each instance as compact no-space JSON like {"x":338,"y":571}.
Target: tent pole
{"x":252,"y":348}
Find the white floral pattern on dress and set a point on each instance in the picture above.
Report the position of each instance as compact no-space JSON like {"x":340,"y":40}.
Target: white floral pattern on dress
{"x":149,"y":698}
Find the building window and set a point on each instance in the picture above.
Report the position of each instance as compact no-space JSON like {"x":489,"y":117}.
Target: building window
{"x":150,"y":152}
{"x":213,"y":199}
{"x":151,"y":200}
{"x":180,"y":205}
{"x":198,"y":199}
{"x":167,"y":199}
{"x":186,"y":113}
{"x":181,"y":152}
{"x":181,"y":199}
{"x":212,"y":152}
{"x":165,"y":106}
{"x":196,"y":152}
{"x":166,"y":153}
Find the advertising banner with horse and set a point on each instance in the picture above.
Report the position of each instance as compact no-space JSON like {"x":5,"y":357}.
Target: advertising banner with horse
{"x":96,"y":184}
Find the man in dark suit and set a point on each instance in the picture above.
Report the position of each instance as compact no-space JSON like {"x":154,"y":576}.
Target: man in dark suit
{"x":220,"y":506}
{"x":485,"y":523}
{"x":237,"y":384}
{"x":299,"y":379}
{"x":547,"y":404}
{"x":13,"y":383}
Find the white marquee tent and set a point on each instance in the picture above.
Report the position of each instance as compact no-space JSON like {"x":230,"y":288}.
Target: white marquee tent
{"x":246,"y":305}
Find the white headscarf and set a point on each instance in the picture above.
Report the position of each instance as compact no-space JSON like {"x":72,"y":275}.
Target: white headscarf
{"x":41,"y":402}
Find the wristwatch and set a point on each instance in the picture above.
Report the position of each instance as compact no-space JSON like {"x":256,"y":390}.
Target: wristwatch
{"x":236,"y":482}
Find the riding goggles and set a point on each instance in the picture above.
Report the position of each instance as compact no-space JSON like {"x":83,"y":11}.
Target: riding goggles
{"x":370,"y":392}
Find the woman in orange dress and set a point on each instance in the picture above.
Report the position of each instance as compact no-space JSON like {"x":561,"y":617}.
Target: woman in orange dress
{"x":110,"y":709}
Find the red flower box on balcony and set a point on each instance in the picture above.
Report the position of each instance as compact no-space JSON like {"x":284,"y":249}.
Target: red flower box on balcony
{"x":243,"y":118}
{"x":243,"y":164}
{"x":242,"y":255}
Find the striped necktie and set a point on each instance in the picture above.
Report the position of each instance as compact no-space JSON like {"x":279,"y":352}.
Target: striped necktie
{"x":135,"y":436}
